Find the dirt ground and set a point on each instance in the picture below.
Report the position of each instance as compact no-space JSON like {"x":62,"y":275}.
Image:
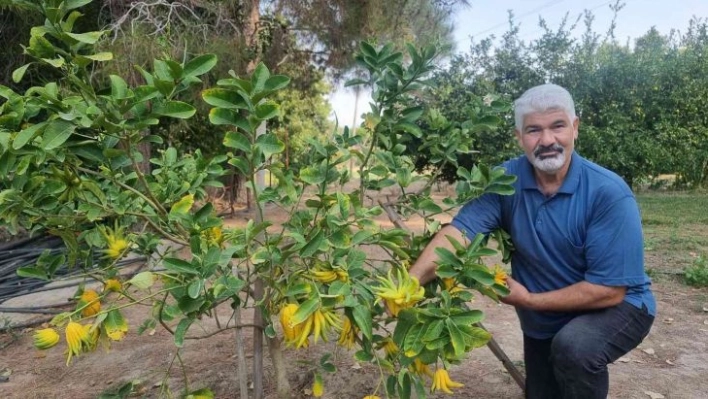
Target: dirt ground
{"x":671,"y":363}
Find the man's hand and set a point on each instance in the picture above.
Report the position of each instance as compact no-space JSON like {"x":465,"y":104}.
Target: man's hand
{"x":577,"y":297}
{"x":519,"y":296}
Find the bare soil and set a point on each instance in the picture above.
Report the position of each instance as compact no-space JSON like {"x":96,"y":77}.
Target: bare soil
{"x":671,"y":363}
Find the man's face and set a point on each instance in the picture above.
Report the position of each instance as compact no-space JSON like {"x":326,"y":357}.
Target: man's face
{"x":548,"y":139}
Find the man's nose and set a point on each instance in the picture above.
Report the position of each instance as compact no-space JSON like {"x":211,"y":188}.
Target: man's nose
{"x":547,"y":137}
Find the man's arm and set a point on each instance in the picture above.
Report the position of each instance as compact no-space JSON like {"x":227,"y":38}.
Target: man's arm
{"x":579,"y":296}
{"x":424,"y":267}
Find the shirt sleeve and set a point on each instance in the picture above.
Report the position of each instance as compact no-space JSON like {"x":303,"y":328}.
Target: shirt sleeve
{"x":614,"y":245}
{"x":481,"y":215}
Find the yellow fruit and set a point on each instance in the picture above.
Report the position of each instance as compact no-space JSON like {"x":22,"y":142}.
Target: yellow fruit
{"x":347,"y":337}
{"x":76,"y":335}
{"x":291,"y":331}
{"x":442,"y":382}
{"x":90,"y":303}
{"x":401,"y":294}
{"x":420,"y":368}
{"x":45,"y":338}
{"x":500,"y":275}
{"x":112,"y":285}
{"x":390,"y":347}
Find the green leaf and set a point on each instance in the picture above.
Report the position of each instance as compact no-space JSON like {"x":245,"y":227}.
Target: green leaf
{"x":267,"y":111}
{"x":180,"y":266}
{"x":176,"y":109}
{"x":344,"y":203}
{"x":468,"y":318}
{"x":103,"y":56}
{"x":32,"y":272}
{"x":411,"y":128}
{"x":403,"y":176}
{"x":485,"y":278}
{"x":445,"y":256}
{"x":242,"y":84}
{"x":182,"y":206}
{"x":119,"y":89}
{"x":367,"y":49}
{"x":88,"y":37}
{"x":241,"y":164}
{"x":269,"y":144}
{"x":433,"y":331}
{"x":24,"y":136}
{"x":501,"y":189}
{"x":476,"y":337}
{"x":142,"y":280}
{"x":56,"y":134}
{"x":195,"y":288}
{"x":55,"y":62}
{"x":223,"y":116}
{"x":225,"y":98}
{"x":305,"y":310}
{"x":18,"y":73}
{"x":181,"y":330}
{"x":406,"y":320}
{"x":414,"y":344}
{"x":297,"y":289}
{"x":260,"y":76}
{"x":200,"y":65}
{"x":276,"y":82}
{"x":313,"y":245}
{"x":363,"y":320}
{"x":412,"y":114}
{"x":363,"y":356}
{"x":238,"y":141}
{"x":456,"y":337}
{"x":312,"y":175}
{"x":74,"y":4}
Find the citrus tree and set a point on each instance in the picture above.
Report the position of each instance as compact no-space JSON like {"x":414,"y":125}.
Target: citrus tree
{"x":70,"y":168}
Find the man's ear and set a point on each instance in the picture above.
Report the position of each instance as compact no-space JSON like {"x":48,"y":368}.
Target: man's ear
{"x":576,"y":125}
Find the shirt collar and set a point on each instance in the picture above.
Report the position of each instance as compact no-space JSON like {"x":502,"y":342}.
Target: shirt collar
{"x":570,"y":184}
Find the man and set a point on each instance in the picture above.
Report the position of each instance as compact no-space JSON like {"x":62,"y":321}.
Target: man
{"x":578,"y":282}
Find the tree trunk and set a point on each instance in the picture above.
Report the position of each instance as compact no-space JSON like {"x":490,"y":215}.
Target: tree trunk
{"x":279,"y":368}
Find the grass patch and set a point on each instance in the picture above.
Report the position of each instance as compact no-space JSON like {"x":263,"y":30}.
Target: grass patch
{"x":675,"y":229}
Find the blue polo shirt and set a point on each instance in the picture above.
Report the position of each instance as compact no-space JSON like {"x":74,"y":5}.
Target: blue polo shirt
{"x":590,"y":230}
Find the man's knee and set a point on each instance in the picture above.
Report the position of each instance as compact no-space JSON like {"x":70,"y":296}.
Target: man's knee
{"x":573,"y":352}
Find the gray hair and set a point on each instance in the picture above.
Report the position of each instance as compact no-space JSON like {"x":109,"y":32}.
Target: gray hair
{"x":543,"y":98}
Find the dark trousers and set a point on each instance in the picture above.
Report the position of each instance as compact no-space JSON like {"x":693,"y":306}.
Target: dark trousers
{"x":573,"y":364}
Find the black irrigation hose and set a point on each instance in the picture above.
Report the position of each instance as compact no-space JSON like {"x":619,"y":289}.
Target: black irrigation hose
{"x":41,"y":283}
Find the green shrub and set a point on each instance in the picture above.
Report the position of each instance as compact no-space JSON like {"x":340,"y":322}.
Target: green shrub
{"x":697,"y":274}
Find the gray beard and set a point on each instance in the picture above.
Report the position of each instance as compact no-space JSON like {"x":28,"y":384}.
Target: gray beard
{"x":550,"y":164}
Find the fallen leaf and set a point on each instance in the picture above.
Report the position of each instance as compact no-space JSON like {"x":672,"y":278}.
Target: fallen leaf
{"x":623,"y":359}
{"x":669,"y":320}
{"x":356,"y":366}
{"x":705,"y":308}
{"x":654,"y":395}
{"x":6,"y":372}
{"x":670,"y":362}
{"x":638,"y":361}
{"x":649,"y":351}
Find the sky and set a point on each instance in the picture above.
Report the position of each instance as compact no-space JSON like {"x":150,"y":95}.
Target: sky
{"x":489,"y":17}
